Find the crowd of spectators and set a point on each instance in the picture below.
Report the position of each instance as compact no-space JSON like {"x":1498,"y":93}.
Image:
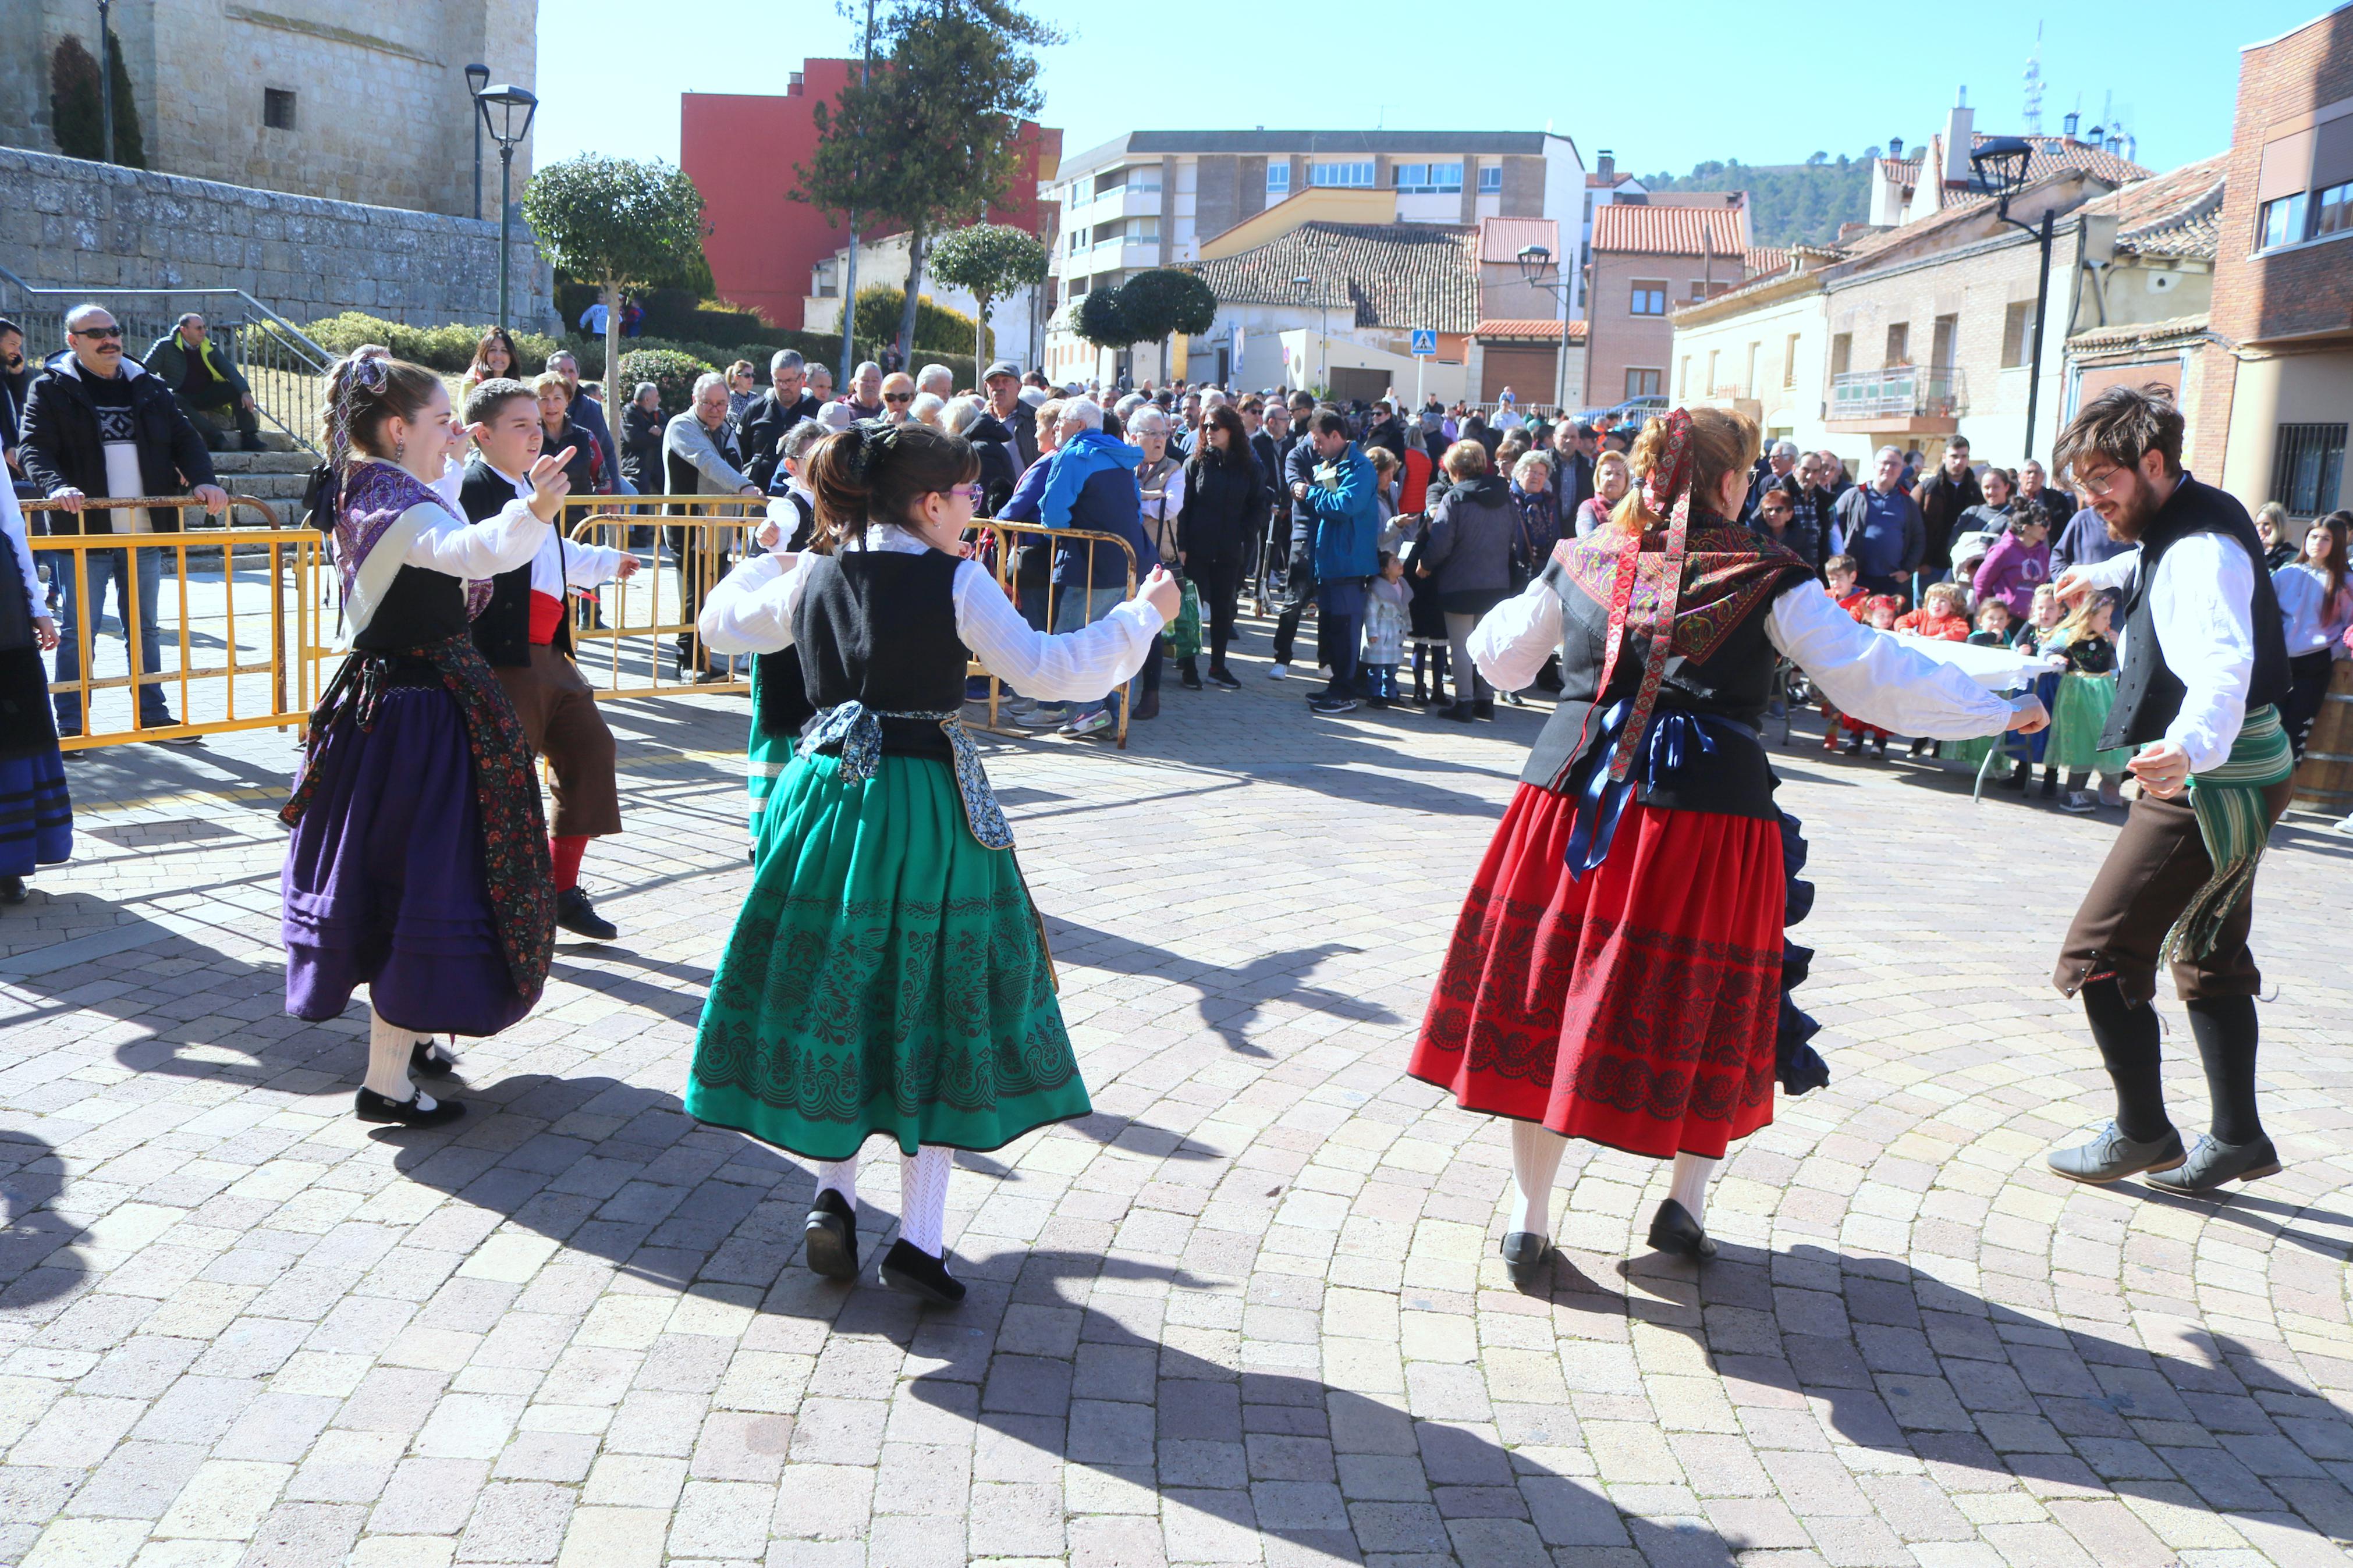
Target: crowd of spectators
{"x":1395,"y":527}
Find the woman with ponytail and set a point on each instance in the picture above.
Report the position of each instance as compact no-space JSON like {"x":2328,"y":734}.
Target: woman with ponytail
{"x":417,"y":864}
{"x":1619,"y":971}
{"x":888,"y":972}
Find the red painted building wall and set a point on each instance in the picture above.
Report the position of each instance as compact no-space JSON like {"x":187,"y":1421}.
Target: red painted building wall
{"x":741,"y":150}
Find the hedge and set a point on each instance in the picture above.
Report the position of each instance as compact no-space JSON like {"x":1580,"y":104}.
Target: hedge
{"x":673,"y":375}
{"x":817,"y":348}
{"x":671,"y":313}
{"x":450,"y":348}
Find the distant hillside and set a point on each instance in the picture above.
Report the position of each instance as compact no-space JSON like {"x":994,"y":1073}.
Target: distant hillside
{"x":1789,"y":203}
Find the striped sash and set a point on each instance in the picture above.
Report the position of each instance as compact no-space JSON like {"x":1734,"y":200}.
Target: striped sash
{"x":2231,"y":819}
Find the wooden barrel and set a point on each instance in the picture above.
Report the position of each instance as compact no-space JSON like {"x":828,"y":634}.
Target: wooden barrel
{"x":2324,"y":779}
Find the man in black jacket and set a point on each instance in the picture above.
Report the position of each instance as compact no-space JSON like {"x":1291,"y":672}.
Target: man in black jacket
{"x":1571,"y":460}
{"x":1299,"y":574}
{"x":768,"y":417}
{"x":525,"y":634}
{"x":1944,"y":496}
{"x":1003,"y":384}
{"x":15,"y":381}
{"x":96,"y":423}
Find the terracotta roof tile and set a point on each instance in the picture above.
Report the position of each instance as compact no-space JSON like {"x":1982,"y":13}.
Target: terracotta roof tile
{"x":1387,"y":274}
{"x":2179,"y":212}
{"x":1500,"y":239}
{"x":1764,"y":259}
{"x":1639,"y":229}
{"x":1528,"y":327}
{"x":2051,"y":155}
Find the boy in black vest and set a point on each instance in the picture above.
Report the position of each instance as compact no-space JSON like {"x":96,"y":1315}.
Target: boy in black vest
{"x":525,"y":633}
{"x":2203,"y":665}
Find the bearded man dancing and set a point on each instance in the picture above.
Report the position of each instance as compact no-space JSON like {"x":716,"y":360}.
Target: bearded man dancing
{"x":2204,"y":666}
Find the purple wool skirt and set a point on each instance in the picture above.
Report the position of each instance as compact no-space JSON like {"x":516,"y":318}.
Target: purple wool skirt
{"x":384,"y":878}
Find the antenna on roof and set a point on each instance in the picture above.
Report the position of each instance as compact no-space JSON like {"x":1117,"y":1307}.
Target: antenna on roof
{"x":2033,"y":115}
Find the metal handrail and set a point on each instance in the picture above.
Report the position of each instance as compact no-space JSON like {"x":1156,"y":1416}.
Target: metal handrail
{"x":998,"y":555}
{"x":286,"y":368}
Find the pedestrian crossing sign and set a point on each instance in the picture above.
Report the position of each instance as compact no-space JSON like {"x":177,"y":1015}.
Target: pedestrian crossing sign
{"x":1425,"y":342}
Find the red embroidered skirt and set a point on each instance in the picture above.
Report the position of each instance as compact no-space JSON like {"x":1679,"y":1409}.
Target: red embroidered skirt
{"x":1636,"y":1008}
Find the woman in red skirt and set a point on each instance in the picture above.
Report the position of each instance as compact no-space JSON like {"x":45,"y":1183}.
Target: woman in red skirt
{"x":1619,"y":970}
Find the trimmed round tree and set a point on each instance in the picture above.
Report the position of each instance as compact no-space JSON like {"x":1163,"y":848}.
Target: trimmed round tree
{"x":989,"y":261}
{"x":1101,"y":320}
{"x":1163,"y":301}
{"x":618,"y":224}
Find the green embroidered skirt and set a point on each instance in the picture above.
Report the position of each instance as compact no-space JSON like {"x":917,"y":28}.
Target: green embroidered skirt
{"x":2077,"y":717}
{"x":886,"y":975}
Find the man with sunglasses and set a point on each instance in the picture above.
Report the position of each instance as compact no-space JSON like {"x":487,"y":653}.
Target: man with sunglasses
{"x":2201,"y":668}
{"x":97,"y":425}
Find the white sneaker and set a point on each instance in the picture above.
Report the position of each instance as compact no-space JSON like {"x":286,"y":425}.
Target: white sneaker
{"x":2344,"y":827}
{"x":1279,"y":672}
{"x":1043,"y":718}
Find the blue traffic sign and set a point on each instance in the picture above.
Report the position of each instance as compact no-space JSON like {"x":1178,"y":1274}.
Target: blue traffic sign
{"x":1425,"y":342}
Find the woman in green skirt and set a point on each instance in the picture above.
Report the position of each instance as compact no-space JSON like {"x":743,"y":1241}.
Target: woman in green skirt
{"x":888,"y":972}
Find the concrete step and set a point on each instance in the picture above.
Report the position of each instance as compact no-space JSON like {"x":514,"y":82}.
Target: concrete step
{"x":288,"y":462}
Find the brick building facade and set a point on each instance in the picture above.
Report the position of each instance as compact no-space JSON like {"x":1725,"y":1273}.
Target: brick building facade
{"x":2279,"y":378}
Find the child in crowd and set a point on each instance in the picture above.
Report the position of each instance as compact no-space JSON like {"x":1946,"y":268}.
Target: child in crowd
{"x":1943,"y":616}
{"x":2043,"y":613}
{"x":1427,"y":625}
{"x":1879,"y":613}
{"x":1839,"y":573}
{"x":2042,"y":617}
{"x":1940,"y":616}
{"x":1993,"y":631}
{"x":1387,"y":619}
{"x":2086,"y":692}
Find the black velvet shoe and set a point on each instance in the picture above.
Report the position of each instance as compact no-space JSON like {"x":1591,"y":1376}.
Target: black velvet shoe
{"x":1460,"y":713}
{"x":2213,"y":1162}
{"x":426,"y":1060}
{"x":1224,"y":677}
{"x":1524,"y":1256}
{"x":374,"y":1107}
{"x":909,"y":1268}
{"x":1189,"y":679}
{"x":1484,"y":708}
{"x":1146,"y":707}
{"x":829,"y":1239}
{"x":1674,"y":1230}
{"x":576,"y":914}
{"x":13,"y":890}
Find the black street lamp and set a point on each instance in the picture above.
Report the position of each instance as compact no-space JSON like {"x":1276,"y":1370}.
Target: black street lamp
{"x":478,"y":77}
{"x":106,"y":75}
{"x":2001,"y":163}
{"x":507,"y":112}
{"x":1535,"y":260}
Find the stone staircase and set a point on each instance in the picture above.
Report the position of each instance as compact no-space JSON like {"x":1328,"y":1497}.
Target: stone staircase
{"x":276,"y":476}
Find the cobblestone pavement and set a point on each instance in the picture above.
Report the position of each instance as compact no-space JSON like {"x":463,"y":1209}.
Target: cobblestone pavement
{"x":1248,"y":1311}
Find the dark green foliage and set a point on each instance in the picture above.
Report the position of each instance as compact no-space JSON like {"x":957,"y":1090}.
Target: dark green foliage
{"x":1789,"y":203}
{"x":1165,"y":300}
{"x":1101,"y":320}
{"x":880,"y":307}
{"x":673,"y":373}
{"x":78,"y":111}
{"x":449,"y":349}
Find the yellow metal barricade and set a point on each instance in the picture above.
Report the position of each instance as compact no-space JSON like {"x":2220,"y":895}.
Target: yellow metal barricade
{"x":240,"y":617}
{"x":638,"y":639}
{"x":1044,"y":602}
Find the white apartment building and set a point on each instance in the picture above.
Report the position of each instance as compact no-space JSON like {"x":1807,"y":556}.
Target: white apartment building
{"x":1151,"y":198}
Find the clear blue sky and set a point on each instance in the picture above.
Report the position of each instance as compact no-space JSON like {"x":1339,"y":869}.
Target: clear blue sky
{"x":1762,"y":82}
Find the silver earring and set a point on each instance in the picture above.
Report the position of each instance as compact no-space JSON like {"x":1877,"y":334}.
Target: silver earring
{"x":400,"y":449}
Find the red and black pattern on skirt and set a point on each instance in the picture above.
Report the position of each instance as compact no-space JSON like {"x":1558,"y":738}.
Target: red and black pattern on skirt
{"x":1635,"y":1007}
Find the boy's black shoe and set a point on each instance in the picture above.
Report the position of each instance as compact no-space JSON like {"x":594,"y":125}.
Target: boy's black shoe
{"x":13,"y":890}
{"x":1330,"y":705}
{"x":1461,"y":712}
{"x":1484,"y":708}
{"x":909,"y":1268}
{"x":829,"y":1238}
{"x":1224,"y":677}
{"x":576,"y":914}
{"x":374,"y":1107}
{"x":1189,"y":679}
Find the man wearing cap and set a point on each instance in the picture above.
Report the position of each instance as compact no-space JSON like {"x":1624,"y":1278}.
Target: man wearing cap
{"x":1018,"y":419}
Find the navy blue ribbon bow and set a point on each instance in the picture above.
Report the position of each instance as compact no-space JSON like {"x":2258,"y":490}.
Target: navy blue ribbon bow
{"x":1674,"y":740}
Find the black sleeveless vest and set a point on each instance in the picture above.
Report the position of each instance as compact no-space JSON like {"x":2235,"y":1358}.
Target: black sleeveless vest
{"x":420,"y":607}
{"x":878,"y":627}
{"x":502,"y":631}
{"x":2148,"y":694}
{"x":780,"y":703}
{"x":1731,"y":679}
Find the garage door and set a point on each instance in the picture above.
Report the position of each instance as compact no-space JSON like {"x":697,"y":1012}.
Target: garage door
{"x":1528,"y":372}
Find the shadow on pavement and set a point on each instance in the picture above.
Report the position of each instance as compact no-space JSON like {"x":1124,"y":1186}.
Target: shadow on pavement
{"x":1230,"y":999}
{"x":38,"y":1259}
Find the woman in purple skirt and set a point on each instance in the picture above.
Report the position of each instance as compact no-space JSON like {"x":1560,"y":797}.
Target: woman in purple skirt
{"x":418,"y":864}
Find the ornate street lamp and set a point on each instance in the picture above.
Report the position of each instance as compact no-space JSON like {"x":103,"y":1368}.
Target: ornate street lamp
{"x":478,"y":77}
{"x":507,"y":111}
{"x":2001,"y":164}
{"x":1535,"y":260}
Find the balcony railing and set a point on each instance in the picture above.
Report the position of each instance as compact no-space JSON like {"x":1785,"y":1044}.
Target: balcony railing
{"x":1899,"y":391}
